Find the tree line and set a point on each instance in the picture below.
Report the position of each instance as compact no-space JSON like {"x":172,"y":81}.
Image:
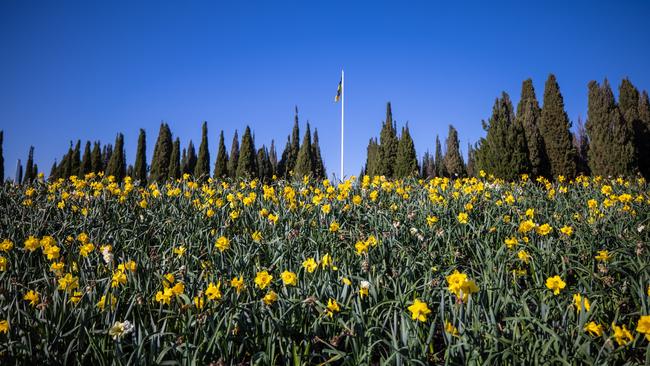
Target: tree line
{"x":533,"y":139}
{"x":170,"y":162}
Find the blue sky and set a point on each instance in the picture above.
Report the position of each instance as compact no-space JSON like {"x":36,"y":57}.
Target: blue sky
{"x":89,"y":69}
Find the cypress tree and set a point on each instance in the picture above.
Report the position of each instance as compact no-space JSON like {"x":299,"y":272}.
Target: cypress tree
{"x":528,"y":115}
{"x":439,"y":163}
{"x":503,"y":152}
{"x":428,"y":167}
{"x":372,"y":158}
{"x":29,"y":167}
{"x":117,"y":164}
{"x":19,"y":173}
{"x":233,"y":159}
{"x":644,"y":137}
{"x":318,"y":166}
{"x":76,"y":158}
{"x":304,"y":162}
{"x":67,"y":170}
{"x":554,"y":126}
{"x":86,"y":163}
{"x":221,"y":165}
{"x":106,"y":156}
{"x":53,"y":173}
{"x":35,"y":171}
{"x":96,"y":158}
{"x":184,"y":161}
{"x":453,"y":160}
{"x":129,"y":171}
{"x":471,"y":161}
{"x":295,"y":146}
{"x":2,"y":159}
{"x":388,"y":145}
{"x":246,"y":164}
{"x":611,"y":149}
{"x":273,"y":158}
{"x":191,"y":159}
{"x":406,"y":164}
{"x":202,"y":169}
{"x":264,"y":170}
{"x":161,"y":155}
{"x":175,"y":160}
{"x":581,"y":144}
{"x":284,"y":159}
{"x":140,"y":167}
{"x":629,"y":105}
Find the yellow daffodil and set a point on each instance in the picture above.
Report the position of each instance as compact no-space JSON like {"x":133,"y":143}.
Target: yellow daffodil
{"x":556,"y":284}
{"x":419,"y":310}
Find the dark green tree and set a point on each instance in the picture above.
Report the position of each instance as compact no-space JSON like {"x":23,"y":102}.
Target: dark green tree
{"x":190,"y":160}
{"x":372,"y":158}
{"x":471,"y":161}
{"x":29,"y":167}
{"x":53,"y":172}
{"x":67,"y":168}
{"x":161,"y":155}
{"x":295,"y":146}
{"x":273,"y":158}
{"x":117,"y":164}
{"x":129,"y":171}
{"x":282,"y":170}
{"x":439,"y":162}
{"x":581,"y":144}
{"x":318,"y":166}
{"x":96,"y":158}
{"x":247,"y":161}
{"x":140,"y":167}
{"x":2,"y":159}
{"x":233,"y":159}
{"x":305,"y":160}
{"x":76,"y":158}
{"x":18,"y":178}
{"x":629,"y":103}
{"x":202,"y":169}
{"x":175,"y":160}
{"x":454,"y":163}
{"x":264,"y":170}
{"x":107,"y":152}
{"x":86,"y":161}
{"x":643,"y":138}
{"x":528,"y":115}
{"x":406,"y":163}
{"x":554,"y":126}
{"x":503,"y":152}
{"x":221,"y":164}
{"x":388,"y":145}
{"x":611,"y":148}
{"x":428,"y":166}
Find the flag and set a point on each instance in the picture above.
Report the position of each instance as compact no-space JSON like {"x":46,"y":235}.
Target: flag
{"x":338,"y":93}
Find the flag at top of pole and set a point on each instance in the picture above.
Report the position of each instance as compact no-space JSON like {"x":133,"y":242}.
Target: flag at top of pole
{"x":340,"y":97}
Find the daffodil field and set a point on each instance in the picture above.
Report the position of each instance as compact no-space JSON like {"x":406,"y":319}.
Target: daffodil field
{"x":368,"y":271}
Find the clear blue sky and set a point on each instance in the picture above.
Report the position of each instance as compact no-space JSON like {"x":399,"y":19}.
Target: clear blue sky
{"x":89,"y":69}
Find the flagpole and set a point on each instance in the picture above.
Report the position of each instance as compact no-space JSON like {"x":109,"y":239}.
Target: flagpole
{"x":342,"y":118}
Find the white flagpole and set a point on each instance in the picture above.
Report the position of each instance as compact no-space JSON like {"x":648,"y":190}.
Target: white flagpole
{"x":342,"y":118}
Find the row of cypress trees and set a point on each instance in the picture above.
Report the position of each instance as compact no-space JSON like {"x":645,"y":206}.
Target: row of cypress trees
{"x":538,"y":140}
{"x":534,"y":140}
{"x":394,"y":156}
{"x":169,"y":162}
